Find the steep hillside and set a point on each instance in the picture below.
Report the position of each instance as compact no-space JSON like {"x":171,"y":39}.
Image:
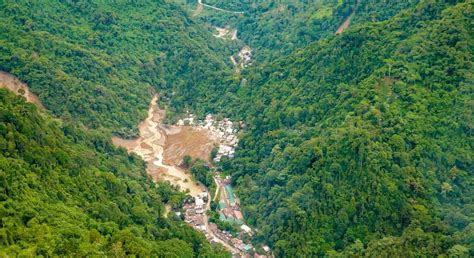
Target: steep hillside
{"x":357,"y":144}
{"x":276,"y":28}
{"x":97,"y":62}
{"x":362,"y":143}
{"x":65,"y":191}
{"x":273,"y":30}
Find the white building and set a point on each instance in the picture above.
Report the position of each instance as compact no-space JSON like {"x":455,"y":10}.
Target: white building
{"x":199,"y":203}
{"x":246,"y":229}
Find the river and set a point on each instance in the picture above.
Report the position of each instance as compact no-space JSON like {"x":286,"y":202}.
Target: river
{"x":163,"y":148}
{"x":155,"y":140}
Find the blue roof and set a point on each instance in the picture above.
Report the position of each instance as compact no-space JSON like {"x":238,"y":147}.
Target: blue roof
{"x":222,"y":205}
{"x":221,"y":216}
{"x":230,"y":194}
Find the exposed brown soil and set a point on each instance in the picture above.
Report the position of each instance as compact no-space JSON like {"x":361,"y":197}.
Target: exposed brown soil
{"x":163,"y":148}
{"x":344,"y":25}
{"x":347,"y":21}
{"x":198,"y":8}
{"x":12,"y":83}
{"x":127,"y":144}
{"x":189,"y":141}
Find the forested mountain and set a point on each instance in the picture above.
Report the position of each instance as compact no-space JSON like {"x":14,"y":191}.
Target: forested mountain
{"x":273,"y":29}
{"x":97,"y":62}
{"x":276,"y":28}
{"x":361,"y":144}
{"x":67,"y":191}
{"x":357,"y":144}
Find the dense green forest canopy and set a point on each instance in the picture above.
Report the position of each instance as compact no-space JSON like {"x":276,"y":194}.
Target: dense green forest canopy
{"x":98,"y":62}
{"x":362,"y":143}
{"x":273,"y":29}
{"x":276,"y":28}
{"x":66,"y":190}
{"x":357,"y":144}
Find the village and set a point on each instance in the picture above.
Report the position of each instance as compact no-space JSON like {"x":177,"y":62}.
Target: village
{"x":222,"y":132}
{"x":196,"y":215}
{"x":197,"y":210}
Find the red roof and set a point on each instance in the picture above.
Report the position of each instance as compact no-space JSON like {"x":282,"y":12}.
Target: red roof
{"x":238,"y":215}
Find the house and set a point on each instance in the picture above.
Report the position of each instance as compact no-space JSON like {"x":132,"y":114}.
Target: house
{"x":229,"y":213}
{"x":202,"y":195}
{"x":238,"y":215}
{"x":246,"y":229}
{"x":199,"y":203}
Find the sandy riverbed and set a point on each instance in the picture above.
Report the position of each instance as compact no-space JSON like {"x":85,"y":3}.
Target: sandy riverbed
{"x":163,"y":148}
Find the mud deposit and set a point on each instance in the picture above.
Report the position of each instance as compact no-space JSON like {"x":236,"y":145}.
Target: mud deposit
{"x":189,"y":141}
{"x":163,"y":148}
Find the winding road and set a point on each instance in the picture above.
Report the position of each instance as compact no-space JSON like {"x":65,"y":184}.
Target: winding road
{"x":201,"y":4}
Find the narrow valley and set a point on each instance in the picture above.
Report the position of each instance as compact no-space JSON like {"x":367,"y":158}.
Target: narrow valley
{"x":163,"y":147}
{"x":243,"y":129}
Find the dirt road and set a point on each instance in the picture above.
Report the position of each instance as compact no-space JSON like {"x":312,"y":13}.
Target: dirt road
{"x":200,"y":6}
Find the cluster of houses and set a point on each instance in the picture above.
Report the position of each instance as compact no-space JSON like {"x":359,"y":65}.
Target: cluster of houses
{"x":229,"y":209}
{"x":239,"y":244}
{"x":245,"y":56}
{"x":236,"y":242}
{"x":223,"y":131}
{"x":194,"y":215}
{"x":186,"y":121}
{"x":194,"y":212}
{"x":230,"y":213}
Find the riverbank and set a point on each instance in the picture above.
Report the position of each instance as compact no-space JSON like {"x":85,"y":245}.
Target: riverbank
{"x":163,"y":148}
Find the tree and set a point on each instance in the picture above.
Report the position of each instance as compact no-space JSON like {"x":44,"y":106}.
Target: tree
{"x":187,"y":161}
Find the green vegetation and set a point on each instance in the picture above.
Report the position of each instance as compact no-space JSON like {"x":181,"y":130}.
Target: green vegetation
{"x":361,"y":144}
{"x":276,"y":28}
{"x":358,"y":144}
{"x":187,"y":161}
{"x":222,"y":224}
{"x":66,"y":191}
{"x":98,"y":63}
{"x":202,"y":172}
{"x":199,"y":169}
